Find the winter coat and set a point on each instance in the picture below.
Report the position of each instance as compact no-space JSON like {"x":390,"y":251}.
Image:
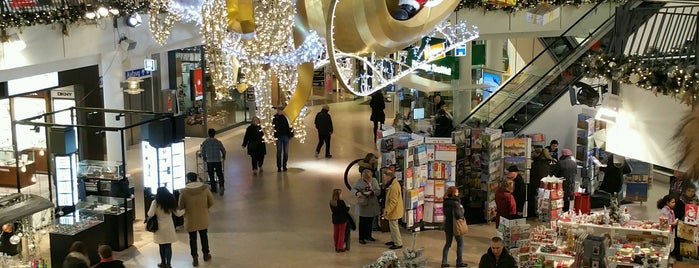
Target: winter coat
{"x":76,"y":260}
{"x":613,"y":176}
{"x":488,"y":260}
{"x":371,"y":207}
{"x":196,"y":199}
{"x":253,"y":140}
{"x":377,"y":105}
{"x":324,"y":122}
{"x":520,"y":193}
{"x":443,"y":126}
{"x":166,"y":227}
{"x":364,"y":165}
{"x":541,"y":168}
{"x":394,"y":201}
{"x":505,"y":203}
{"x":568,"y":169}
{"x":452,"y":207}
{"x":281,"y":126}
{"x":110,"y":264}
{"x":340,"y":212}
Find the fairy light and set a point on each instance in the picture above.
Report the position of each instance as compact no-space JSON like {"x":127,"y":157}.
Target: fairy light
{"x":189,"y":10}
{"x":161,"y":30}
{"x":219,"y":62}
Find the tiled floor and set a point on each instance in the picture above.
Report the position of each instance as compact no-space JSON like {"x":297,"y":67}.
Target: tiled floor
{"x":283,"y":219}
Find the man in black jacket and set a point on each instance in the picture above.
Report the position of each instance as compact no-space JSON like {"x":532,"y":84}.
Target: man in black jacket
{"x":324,"y":124}
{"x":282,"y":131}
{"x":497,"y":256}
{"x":520,"y":192}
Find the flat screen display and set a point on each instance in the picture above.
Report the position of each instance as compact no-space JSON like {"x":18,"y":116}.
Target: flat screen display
{"x":418,"y":113}
{"x":493,"y":80}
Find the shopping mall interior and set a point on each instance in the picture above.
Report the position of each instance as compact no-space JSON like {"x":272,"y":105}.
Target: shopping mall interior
{"x":585,"y":108}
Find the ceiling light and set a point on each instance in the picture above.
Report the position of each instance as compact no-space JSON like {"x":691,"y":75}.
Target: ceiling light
{"x":12,"y":41}
{"x":114,"y":11}
{"x":103,"y":11}
{"x":133,"y":85}
{"x":134,"y":20}
{"x":610,"y":109}
{"x":90,"y":15}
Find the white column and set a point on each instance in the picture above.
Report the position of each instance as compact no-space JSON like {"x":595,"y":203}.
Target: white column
{"x":493,"y":54}
{"x":112,"y":72}
{"x":462,"y":98}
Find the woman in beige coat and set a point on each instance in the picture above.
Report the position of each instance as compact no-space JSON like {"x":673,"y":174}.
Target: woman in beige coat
{"x":196,"y":199}
{"x":163,"y":207}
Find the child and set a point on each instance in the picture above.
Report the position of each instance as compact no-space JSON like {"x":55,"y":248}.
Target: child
{"x":340,"y":218}
{"x":666,"y":206}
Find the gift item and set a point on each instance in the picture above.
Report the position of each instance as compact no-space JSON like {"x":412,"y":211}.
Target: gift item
{"x":690,"y":213}
{"x":543,"y":14}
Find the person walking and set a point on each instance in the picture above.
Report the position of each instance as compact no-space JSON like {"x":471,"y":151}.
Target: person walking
{"x":340,"y":219}
{"x":452,"y":210}
{"x":394,"y":208}
{"x":214,"y":153}
{"x":366,"y":189}
{"x":77,"y":257}
{"x":497,"y":256}
{"x":163,"y":207}
{"x":504,"y":201}
{"x":195,"y":200}
{"x":377,"y":104}
{"x":324,"y":124}
{"x":567,"y":168}
{"x":282,"y":131}
{"x":107,"y":259}
{"x":256,"y":146}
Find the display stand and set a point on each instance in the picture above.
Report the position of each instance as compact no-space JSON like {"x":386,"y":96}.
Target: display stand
{"x":515,"y":234}
{"x":77,"y":226}
{"x":550,"y":199}
{"x":485,"y":160}
{"x":118,"y":217}
{"x":67,"y":193}
{"x":468,"y":170}
{"x":163,"y":166}
{"x":441,"y":174}
{"x":586,"y":153}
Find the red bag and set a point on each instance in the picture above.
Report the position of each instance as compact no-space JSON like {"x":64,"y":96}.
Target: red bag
{"x":582,"y":203}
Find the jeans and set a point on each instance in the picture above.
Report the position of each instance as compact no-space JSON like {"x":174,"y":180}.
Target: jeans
{"x":282,"y":145}
{"x":459,"y":248}
{"x":365,"y":227}
{"x":216,"y":167}
{"x":323,"y":138}
{"x":395,"y":232}
{"x":165,"y":253}
{"x":257,"y":160}
{"x":339,"y":235}
{"x":204,"y":242}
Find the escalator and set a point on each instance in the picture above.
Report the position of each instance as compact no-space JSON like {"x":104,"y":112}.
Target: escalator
{"x":549,"y":75}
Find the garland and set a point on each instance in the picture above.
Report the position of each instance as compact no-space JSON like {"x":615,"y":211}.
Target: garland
{"x":517,"y":5}
{"x":65,"y":15}
{"x":657,"y":72}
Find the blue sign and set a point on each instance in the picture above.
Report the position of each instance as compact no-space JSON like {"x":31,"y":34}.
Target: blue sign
{"x":460,"y":51}
{"x":137,"y":73}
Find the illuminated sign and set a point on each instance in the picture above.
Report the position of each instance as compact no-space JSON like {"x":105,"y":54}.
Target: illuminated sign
{"x":434,"y":68}
{"x":435,"y":50}
{"x":149,"y":65}
{"x":460,"y":51}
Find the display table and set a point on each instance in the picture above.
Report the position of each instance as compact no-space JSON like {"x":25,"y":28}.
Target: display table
{"x":76,"y":226}
{"x":118,"y":215}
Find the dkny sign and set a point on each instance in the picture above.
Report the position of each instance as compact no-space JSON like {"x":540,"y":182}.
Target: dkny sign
{"x":62,"y":94}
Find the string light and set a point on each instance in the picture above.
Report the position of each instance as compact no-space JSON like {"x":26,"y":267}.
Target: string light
{"x":220,"y":64}
{"x":161,"y":31}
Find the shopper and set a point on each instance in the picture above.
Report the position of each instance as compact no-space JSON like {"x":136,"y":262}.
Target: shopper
{"x":369,"y":162}
{"x":553,"y":149}
{"x":677,"y":183}
{"x":163,"y":207}
{"x":504,"y":201}
{"x":340,"y":218}
{"x":394,"y":207}
{"x":77,"y":257}
{"x":324,"y":125}
{"x":689,"y":195}
{"x":437,"y":104}
{"x":540,"y":168}
{"x":282,"y":132}
{"x":378,"y":116}
{"x":443,"y":124}
{"x":452,"y":210}
{"x":214,"y":153}
{"x":255,"y":143}
{"x":107,"y":260}
{"x":196,"y":199}
{"x":567,"y":169}
{"x":520,"y":192}
{"x":366,"y":190}
{"x":497,"y":256}
{"x":614,"y":174}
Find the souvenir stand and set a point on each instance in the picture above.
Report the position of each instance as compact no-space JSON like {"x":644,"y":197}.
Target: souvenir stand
{"x":82,"y":215}
{"x":23,"y":219}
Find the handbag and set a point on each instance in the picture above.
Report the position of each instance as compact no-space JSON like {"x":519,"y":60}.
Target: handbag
{"x":152,"y":224}
{"x":460,"y":226}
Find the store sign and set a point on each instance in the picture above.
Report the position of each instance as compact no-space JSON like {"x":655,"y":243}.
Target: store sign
{"x":460,"y":51}
{"x":198,"y":75}
{"x":137,"y":73}
{"x":149,"y":65}
{"x":63,"y":94}
{"x":32,"y":83}
{"x":434,"y":68}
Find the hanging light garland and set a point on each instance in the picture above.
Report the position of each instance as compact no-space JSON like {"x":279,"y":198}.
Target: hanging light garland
{"x":220,"y":63}
{"x":161,"y":31}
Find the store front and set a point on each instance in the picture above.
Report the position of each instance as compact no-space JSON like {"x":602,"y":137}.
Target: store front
{"x":197,"y":98}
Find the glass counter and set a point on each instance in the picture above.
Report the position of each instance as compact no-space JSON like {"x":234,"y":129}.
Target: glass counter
{"x":76,"y":222}
{"x":106,"y":205}
{"x":100,"y":170}
{"x":7,"y":157}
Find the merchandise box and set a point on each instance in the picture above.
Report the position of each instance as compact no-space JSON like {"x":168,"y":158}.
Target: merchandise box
{"x":419,"y":213}
{"x":445,"y":152}
{"x":409,"y":218}
{"x":690,"y":214}
{"x":428,"y":211}
{"x":439,"y":190}
{"x":438,"y":212}
{"x":510,"y":223}
{"x":429,"y":190}
{"x":386,"y":131}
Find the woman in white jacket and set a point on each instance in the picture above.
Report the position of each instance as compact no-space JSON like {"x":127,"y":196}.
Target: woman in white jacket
{"x":164,"y":206}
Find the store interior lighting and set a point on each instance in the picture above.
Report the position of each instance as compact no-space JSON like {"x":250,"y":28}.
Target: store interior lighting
{"x":133,"y":85}
{"x":609,"y":111}
{"x":92,"y":13}
{"x":12,"y":41}
{"x":134,"y":20}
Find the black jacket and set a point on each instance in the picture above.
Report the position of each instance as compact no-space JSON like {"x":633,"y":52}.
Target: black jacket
{"x":443,"y":126}
{"x":452,"y":207}
{"x":377,"y":105}
{"x":281,"y":126}
{"x":340,"y":212}
{"x":253,"y":140}
{"x":111,"y":264}
{"x":488,"y":260}
{"x":323,"y":122}
{"x":73,"y":262}
{"x":520,"y":193}
{"x":567,"y":168}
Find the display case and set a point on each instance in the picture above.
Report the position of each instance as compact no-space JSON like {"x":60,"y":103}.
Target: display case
{"x":9,"y":168}
{"x":85,"y":226}
{"x":67,"y":193}
{"x":100,"y":170}
{"x":118,"y":216}
{"x":163,"y":167}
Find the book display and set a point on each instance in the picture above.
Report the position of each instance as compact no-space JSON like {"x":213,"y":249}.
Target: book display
{"x":482,"y":169}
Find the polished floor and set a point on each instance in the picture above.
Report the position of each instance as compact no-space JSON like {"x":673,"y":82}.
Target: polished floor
{"x":283,"y":219}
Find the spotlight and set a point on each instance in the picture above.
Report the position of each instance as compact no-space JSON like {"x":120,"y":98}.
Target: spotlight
{"x":134,"y":20}
{"x":114,"y":11}
{"x":119,"y":116}
{"x":102,"y":11}
{"x":12,"y":41}
{"x":91,"y":15}
{"x":35,"y":129}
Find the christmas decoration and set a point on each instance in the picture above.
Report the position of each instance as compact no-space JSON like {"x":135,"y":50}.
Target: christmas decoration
{"x":407,"y":8}
{"x":667,"y":73}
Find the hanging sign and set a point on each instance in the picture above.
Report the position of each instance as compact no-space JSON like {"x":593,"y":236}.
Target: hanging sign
{"x":137,"y":73}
